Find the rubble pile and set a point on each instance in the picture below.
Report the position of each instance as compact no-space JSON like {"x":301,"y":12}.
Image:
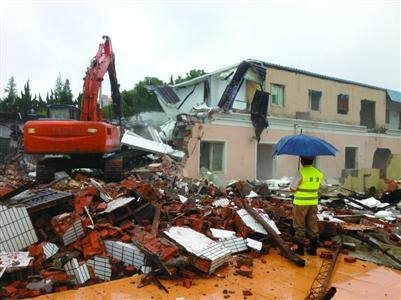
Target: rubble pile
{"x":80,"y":231}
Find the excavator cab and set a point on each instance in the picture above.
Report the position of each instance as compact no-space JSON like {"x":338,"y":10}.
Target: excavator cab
{"x":62,"y":112}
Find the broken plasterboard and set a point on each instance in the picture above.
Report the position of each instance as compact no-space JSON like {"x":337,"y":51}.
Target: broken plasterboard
{"x":128,"y":253}
{"x":101,"y":266}
{"x":200,"y":245}
{"x":50,"y":249}
{"x":134,"y":141}
{"x":14,"y":259}
{"x":73,"y":233}
{"x":253,"y":224}
{"x":223,"y":202}
{"x":222,"y":233}
{"x":79,"y":273}
{"x":235,"y":244}
{"x":254,"y":244}
{"x":117,"y":203}
{"x":16,"y":230}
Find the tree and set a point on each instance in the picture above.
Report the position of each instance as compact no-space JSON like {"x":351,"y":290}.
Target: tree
{"x":62,"y":92}
{"x":8,"y":103}
{"x":139,"y":99}
{"x":23,"y":104}
{"x":39,"y":106}
{"x":66,"y":96}
{"x":190,"y":75}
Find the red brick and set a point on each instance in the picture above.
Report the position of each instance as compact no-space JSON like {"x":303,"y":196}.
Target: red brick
{"x":349,"y":259}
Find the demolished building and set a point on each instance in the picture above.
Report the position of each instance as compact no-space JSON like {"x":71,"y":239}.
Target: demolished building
{"x":361,"y":120}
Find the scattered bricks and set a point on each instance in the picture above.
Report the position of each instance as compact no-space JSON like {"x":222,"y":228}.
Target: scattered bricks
{"x":101,"y":207}
{"x":54,"y":275}
{"x":92,"y":245}
{"x":161,"y":247}
{"x":61,"y":288}
{"x":126,"y":238}
{"x":327,"y":244}
{"x":326,"y":255}
{"x":126,"y":226}
{"x":9,"y":291}
{"x":245,"y":271}
{"x":188,"y":283}
{"x":104,"y":233}
{"x":80,"y":201}
{"x":68,"y":227}
{"x":243,"y":260}
{"x":247,"y":293}
{"x":328,"y":229}
{"x":130,"y":270}
{"x":349,"y":259}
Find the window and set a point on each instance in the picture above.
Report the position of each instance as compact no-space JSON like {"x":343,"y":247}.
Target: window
{"x":212,"y":156}
{"x":314,"y":100}
{"x":351,"y":157}
{"x":342,"y":104}
{"x":278,"y":95}
{"x":368,"y":113}
{"x":399,"y":120}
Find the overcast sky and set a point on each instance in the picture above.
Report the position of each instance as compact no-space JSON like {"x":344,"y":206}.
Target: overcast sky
{"x":355,"y":40}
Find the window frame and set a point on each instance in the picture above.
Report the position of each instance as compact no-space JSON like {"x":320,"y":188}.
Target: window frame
{"x":356,"y":157}
{"x":283,"y":88}
{"x":310,"y":92}
{"x":338,"y":104}
{"x":224,"y":156}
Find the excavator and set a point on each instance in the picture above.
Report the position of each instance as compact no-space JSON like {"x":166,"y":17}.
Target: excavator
{"x":68,"y":142}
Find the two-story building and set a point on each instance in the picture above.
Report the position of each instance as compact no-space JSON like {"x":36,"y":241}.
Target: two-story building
{"x":361,"y":120}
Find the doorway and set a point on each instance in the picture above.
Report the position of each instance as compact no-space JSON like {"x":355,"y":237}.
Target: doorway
{"x":265,"y":162}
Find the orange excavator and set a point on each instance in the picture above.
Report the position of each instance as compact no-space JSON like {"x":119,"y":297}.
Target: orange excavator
{"x":87,"y":142}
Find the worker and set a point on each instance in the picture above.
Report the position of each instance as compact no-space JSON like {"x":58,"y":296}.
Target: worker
{"x":305,"y":187}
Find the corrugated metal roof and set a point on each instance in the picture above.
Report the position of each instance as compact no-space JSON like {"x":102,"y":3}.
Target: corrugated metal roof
{"x":394,"y":95}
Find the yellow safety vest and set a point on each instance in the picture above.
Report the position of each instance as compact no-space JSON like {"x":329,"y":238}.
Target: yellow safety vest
{"x":307,"y":192}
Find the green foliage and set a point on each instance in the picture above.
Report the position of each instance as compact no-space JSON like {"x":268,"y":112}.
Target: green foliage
{"x":62,"y":93}
{"x":139,"y":99}
{"x":23,"y":104}
{"x":8,"y":103}
{"x":190,"y":75}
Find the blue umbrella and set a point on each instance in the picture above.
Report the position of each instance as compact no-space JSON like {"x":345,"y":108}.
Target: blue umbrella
{"x":304,"y":145}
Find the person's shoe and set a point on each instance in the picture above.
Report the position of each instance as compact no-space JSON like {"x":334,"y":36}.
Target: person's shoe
{"x":300,"y":249}
{"x":313,"y":247}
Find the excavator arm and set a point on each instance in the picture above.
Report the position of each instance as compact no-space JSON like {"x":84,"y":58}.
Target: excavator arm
{"x":103,"y":62}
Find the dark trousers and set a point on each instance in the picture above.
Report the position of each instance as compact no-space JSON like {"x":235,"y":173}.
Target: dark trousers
{"x":305,"y":222}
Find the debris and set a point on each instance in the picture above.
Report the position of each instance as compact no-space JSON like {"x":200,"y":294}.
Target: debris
{"x":68,"y":226}
{"x":208,"y":255}
{"x":273,"y":232}
{"x":116,"y":203}
{"x":234,"y":244}
{"x":349,"y":259}
{"x":256,"y":245}
{"x":128,"y":253}
{"x":101,"y":266}
{"x":79,"y":273}
{"x":16,"y":229}
{"x":249,"y":220}
{"x":322,"y":279}
{"x":221,"y":233}
{"x":134,"y":141}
